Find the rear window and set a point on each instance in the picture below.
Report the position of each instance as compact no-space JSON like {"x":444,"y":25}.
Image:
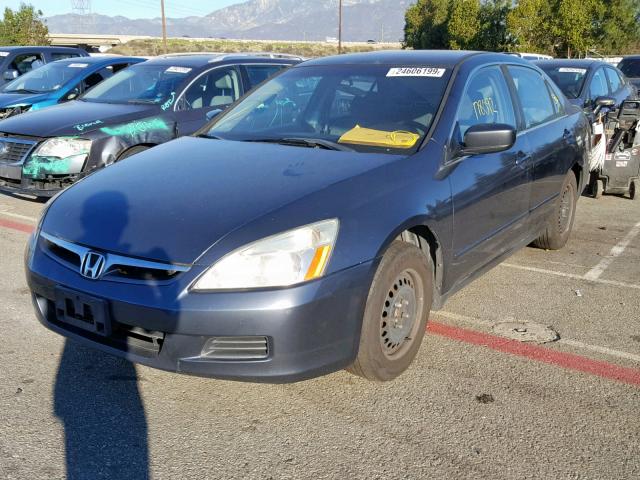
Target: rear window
{"x":630,"y":67}
{"x":569,"y":79}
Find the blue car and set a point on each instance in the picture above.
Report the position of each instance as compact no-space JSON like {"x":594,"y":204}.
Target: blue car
{"x":315,"y":224}
{"x":58,"y":82}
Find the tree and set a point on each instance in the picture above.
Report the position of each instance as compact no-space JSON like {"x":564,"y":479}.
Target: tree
{"x":464,"y":24}
{"x":426,"y":24}
{"x":493,"y":35}
{"x":620,"y":29}
{"x":576,"y":25}
{"x":23,"y":27}
{"x":531,"y":24}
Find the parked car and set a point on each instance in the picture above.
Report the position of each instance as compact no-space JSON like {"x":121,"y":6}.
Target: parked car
{"x":135,"y":109}
{"x":585,"y":81}
{"x":58,"y":82}
{"x":630,"y":66}
{"x":16,"y":61}
{"x":311,"y":227}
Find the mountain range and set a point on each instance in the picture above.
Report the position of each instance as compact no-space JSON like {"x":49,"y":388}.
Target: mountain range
{"x":259,"y":20}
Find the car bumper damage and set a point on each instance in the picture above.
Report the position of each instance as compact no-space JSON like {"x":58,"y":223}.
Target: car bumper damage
{"x":274,"y":336}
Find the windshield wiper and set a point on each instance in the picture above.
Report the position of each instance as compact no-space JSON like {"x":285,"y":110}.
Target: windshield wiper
{"x":143,"y":101}
{"x":305,"y":142}
{"x":22,"y":90}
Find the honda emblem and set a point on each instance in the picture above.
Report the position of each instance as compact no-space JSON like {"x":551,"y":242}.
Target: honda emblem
{"x":92,"y":265}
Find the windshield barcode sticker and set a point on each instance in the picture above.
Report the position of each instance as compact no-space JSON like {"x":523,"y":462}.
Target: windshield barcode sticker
{"x":581,"y":71}
{"x":4,"y":54}
{"x":78,"y":65}
{"x":178,"y":70}
{"x":416,"y":72}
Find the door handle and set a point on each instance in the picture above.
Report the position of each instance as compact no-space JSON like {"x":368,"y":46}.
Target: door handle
{"x":522,"y":157}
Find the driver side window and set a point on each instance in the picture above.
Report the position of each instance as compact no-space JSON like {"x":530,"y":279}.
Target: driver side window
{"x":599,"y":87}
{"x":217,"y":89}
{"x":486,"y":100}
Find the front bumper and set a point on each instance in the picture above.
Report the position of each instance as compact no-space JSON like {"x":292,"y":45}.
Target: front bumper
{"x":37,"y":188}
{"x":312,"y":329}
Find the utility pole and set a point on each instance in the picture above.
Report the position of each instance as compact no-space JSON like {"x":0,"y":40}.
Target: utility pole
{"x":164,"y":27}
{"x":339,"y":27}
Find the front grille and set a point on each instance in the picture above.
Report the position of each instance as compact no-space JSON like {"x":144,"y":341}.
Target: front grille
{"x":14,"y":150}
{"x":117,"y":267}
{"x":236,"y":348}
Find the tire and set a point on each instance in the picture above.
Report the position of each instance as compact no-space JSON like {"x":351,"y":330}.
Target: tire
{"x":597,"y":188}
{"x":634,"y":194}
{"x":402,"y":285}
{"x":560,"y":223}
{"x":132,"y":151}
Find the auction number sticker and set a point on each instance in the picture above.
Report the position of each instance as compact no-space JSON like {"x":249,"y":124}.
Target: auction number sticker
{"x":4,"y":54}
{"x":581,"y":71}
{"x":178,"y":70}
{"x":78,"y":65}
{"x":416,"y":72}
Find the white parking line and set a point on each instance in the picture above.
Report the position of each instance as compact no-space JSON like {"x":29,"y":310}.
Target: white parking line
{"x":615,"y":252}
{"x":17,"y":215}
{"x":566,"y":341}
{"x":571,"y":275}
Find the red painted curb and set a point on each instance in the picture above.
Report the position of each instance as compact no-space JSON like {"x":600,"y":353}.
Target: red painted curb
{"x":541,"y":354}
{"x":21,"y":227}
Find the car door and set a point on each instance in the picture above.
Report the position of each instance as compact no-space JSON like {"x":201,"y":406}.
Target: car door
{"x":490,"y":191}
{"x":618,"y":89}
{"x":214,"y":89}
{"x":549,"y":136}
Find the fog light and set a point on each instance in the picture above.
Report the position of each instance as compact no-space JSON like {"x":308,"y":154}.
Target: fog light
{"x":236,"y":348}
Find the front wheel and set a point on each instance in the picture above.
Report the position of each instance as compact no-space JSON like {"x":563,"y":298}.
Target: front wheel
{"x":560,"y":223}
{"x":396,"y":313}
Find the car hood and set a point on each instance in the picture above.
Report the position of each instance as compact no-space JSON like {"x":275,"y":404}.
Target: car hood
{"x":11,"y":99}
{"x":173,"y":202}
{"x":74,"y":118}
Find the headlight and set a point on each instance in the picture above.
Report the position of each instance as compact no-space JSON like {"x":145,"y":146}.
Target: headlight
{"x":282,"y":260}
{"x":63,"y":147}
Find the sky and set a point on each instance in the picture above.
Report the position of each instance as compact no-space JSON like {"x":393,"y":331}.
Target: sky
{"x":127,"y":8}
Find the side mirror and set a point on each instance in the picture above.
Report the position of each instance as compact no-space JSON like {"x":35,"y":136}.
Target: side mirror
{"x":211,"y":114}
{"x":488,"y":138}
{"x":603,"y":102}
{"x":11,"y":75}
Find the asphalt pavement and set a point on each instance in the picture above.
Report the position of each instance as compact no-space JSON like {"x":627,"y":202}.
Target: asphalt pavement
{"x":474,"y":405}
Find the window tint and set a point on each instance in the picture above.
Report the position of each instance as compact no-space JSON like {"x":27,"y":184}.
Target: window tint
{"x":92,"y":80}
{"x":62,"y":56}
{"x":26,"y":62}
{"x":598,"y":87}
{"x":535,"y":100}
{"x":218,"y":88}
{"x":259,"y":73}
{"x":630,"y":67}
{"x":614,"y":80}
{"x":486,"y":100}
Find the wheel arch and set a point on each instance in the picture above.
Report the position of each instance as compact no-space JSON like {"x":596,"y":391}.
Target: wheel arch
{"x":420,"y":232}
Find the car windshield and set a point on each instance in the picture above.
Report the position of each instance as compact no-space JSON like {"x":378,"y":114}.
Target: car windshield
{"x":630,"y":67}
{"x":363,"y":108}
{"x":568,"y":79}
{"x":48,"y":78}
{"x":141,"y":83}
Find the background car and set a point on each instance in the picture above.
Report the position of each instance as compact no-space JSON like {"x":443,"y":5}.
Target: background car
{"x":137,"y":108}
{"x":16,"y":61}
{"x":531,"y":56}
{"x":584,"y":81}
{"x":311,"y":226}
{"x":630,"y":66}
{"x":58,"y":82}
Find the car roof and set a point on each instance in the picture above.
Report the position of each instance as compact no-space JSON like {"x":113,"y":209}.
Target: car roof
{"x":195,"y":60}
{"x":101,"y":60}
{"x":571,"y":62}
{"x":443,"y":58}
{"x":631,"y":57}
{"x":38,"y":48}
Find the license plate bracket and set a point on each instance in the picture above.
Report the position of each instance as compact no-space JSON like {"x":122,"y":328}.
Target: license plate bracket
{"x":82,"y":311}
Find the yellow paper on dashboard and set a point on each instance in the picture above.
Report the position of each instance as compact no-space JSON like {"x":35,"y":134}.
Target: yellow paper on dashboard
{"x":379,"y":138}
